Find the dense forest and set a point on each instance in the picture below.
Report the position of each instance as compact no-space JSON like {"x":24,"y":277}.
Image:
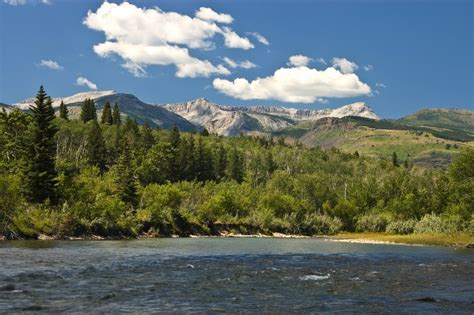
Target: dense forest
{"x":107,"y":176}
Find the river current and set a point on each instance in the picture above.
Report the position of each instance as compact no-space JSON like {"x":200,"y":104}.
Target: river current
{"x":241,"y":275}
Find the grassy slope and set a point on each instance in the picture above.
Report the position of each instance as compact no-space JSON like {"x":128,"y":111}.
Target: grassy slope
{"x":421,"y":145}
{"x":458,"y":119}
{"x":381,"y":142}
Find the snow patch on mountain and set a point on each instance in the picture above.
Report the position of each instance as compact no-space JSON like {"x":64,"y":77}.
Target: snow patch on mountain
{"x":76,"y":98}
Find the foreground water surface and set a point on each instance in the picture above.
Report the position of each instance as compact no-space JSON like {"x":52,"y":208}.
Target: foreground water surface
{"x":244,"y":275}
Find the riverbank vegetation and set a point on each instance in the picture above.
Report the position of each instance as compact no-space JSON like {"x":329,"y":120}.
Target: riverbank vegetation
{"x":107,"y":176}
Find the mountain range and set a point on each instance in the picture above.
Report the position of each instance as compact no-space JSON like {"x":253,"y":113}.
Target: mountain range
{"x":426,"y":136}
{"x":201,"y":113}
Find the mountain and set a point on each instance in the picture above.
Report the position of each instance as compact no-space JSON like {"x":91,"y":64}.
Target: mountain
{"x":129,"y":105}
{"x":445,"y":118}
{"x":231,"y":120}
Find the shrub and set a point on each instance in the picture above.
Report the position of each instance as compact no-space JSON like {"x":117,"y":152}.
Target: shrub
{"x":401,"y":226}
{"x":316,"y":223}
{"x":37,"y":219}
{"x":430,"y":223}
{"x":371,"y":222}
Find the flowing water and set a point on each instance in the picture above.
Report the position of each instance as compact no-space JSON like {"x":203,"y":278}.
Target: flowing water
{"x":243,"y":275}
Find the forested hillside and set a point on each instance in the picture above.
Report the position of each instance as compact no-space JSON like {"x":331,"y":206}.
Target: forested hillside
{"x":76,"y":178}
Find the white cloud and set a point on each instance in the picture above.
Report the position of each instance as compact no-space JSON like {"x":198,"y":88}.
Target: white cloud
{"x":346,"y":66}
{"x":260,"y":38}
{"x":232,"y":40}
{"x":208,"y":14}
{"x":246,"y":64}
{"x":321,"y":60}
{"x":51,"y":64}
{"x":15,"y":2}
{"x":299,"y":61}
{"x":145,"y":37}
{"x":295,"y":85}
{"x":23,"y":2}
{"x":368,"y":68}
{"x":380,"y":85}
{"x":85,"y":82}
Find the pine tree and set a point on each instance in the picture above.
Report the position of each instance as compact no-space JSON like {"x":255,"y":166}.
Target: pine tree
{"x":175,"y":137}
{"x":125,"y":179}
{"x":106,"y":114}
{"x":203,"y":162}
{"x":235,"y":165}
{"x":41,"y":172}
{"x":88,"y":110}
{"x":97,"y":154}
{"x":220,"y":162}
{"x":116,"y":120}
{"x":147,"y":136}
{"x":63,"y":111}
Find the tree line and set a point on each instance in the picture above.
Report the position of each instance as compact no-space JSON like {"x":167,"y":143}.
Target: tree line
{"x":109,"y":176}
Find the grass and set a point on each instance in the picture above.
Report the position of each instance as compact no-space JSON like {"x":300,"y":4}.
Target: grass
{"x":456,"y":240}
{"x":418,"y":148}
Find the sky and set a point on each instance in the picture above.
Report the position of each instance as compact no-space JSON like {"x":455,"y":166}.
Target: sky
{"x":397,"y":56}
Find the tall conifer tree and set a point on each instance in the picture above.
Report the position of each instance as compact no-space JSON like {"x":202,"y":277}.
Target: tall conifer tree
{"x":41,"y":172}
{"x":107,"y":114}
{"x":116,"y":120}
{"x":96,"y":147}
{"x":88,"y":110}
{"x":63,"y":111}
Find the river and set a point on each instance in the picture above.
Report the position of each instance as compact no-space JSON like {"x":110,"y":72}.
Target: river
{"x":244,"y":275}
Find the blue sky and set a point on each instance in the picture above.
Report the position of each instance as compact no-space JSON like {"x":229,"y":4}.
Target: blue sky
{"x":397,"y":56}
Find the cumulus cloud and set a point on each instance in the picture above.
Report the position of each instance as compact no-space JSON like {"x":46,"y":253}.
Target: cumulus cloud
{"x":380,"y":85}
{"x":208,"y":14}
{"x":51,"y":64}
{"x":85,"y":82}
{"x":246,"y":64}
{"x":344,"y":65}
{"x":295,"y":85}
{"x":368,"y":68}
{"x":298,"y":84}
{"x":145,"y":37}
{"x":299,"y":61}
{"x":261,"y":39}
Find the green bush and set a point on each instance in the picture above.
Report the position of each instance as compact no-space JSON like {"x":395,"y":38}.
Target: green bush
{"x":371,"y":222}
{"x":401,"y":226}
{"x":37,"y":219}
{"x":317,"y":223}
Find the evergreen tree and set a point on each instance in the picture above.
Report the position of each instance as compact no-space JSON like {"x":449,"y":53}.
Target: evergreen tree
{"x":125,"y":179}
{"x":116,"y":120}
{"x":203,"y":162}
{"x":41,"y":172}
{"x":175,"y":137}
{"x":235,"y":165}
{"x":147,"y":136}
{"x":97,"y":153}
{"x":106,"y":114}
{"x":131,"y":134}
{"x":63,"y":111}
{"x":88,"y":110}
{"x":395,"y":159}
{"x":220,"y":162}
